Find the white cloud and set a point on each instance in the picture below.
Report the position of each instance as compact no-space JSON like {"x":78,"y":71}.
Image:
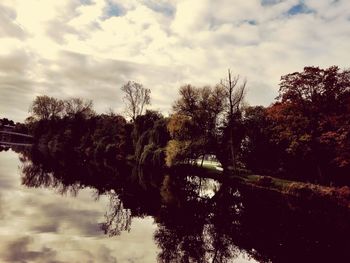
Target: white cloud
{"x":89,"y":48}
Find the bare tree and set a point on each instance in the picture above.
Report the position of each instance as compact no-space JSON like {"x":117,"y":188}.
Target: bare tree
{"x":235,"y":94}
{"x":78,"y":106}
{"x":136,"y":98}
{"x":45,"y":107}
{"x":188,"y":102}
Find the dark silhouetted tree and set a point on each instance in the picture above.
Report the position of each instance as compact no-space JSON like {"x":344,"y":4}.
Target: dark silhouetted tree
{"x":312,"y":119}
{"x":233,"y":132}
{"x":45,"y":107}
{"x":78,"y":107}
{"x":194,"y":126}
{"x":136,"y":98}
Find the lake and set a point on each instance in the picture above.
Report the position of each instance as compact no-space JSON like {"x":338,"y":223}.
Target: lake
{"x":68,"y":210}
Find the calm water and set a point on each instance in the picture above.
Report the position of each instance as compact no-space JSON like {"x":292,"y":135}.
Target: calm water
{"x":69,"y":210}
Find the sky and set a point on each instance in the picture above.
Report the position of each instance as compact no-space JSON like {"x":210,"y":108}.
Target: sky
{"x":90,"y":48}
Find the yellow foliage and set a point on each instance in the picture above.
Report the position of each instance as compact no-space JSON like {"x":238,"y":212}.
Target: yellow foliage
{"x":178,"y":124}
{"x":175,"y":151}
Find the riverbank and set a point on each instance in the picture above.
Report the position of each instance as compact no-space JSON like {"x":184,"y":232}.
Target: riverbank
{"x":306,"y":191}
{"x":289,"y":188}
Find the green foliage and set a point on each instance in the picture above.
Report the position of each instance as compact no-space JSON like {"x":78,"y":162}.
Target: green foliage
{"x":147,"y":154}
{"x":304,"y":135}
{"x":195,"y":123}
{"x":150,"y":136}
{"x":97,"y":137}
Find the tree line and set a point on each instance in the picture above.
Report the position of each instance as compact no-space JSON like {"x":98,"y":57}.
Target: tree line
{"x":304,"y":135}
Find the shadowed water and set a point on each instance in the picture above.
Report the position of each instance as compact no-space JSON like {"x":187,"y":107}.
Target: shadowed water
{"x":66,"y":209}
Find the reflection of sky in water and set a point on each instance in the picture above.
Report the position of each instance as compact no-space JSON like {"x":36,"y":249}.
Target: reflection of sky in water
{"x":37,"y":225}
{"x":208,"y":187}
{"x":40,"y":225}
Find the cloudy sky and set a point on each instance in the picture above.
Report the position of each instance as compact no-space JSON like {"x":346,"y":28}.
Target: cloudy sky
{"x":90,"y":48}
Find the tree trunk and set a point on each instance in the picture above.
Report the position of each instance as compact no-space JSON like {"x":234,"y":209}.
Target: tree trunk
{"x":233,"y":155}
{"x":202,"y":160}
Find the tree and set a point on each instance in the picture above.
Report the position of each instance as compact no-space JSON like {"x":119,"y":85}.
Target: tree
{"x":235,"y":94}
{"x":195,"y":122}
{"x":5,"y":121}
{"x":45,"y":107}
{"x":260,"y":154}
{"x":136,"y":98}
{"x":150,"y":136}
{"x":180,"y":126}
{"x":202,"y":105}
{"x":311,"y":119}
{"x":188,"y":103}
{"x":79,"y":107}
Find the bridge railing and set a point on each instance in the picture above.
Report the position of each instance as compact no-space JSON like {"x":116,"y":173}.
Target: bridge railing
{"x":16,"y":133}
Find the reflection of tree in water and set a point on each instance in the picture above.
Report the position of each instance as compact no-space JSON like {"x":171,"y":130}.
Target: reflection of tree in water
{"x":67,"y":173}
{"x":193,"y":227}
{"x":38,"y":176}
{"x":200,"y":230}
{"x":184,"y":216}
{"x":118,"y":219}
{"x":121,"y":184}
{"x":263,"y":225}
{"x":225,"y":220}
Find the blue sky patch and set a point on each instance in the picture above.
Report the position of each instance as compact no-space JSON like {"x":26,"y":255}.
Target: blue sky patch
{"x":300,"y":8}
{"x":113,"y":9}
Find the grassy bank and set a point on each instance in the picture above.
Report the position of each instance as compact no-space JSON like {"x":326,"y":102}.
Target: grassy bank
{"x":306,"y":191}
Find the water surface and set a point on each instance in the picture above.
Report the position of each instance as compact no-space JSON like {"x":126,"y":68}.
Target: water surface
{"x":42,"y":225}
{"x":71,"y":210}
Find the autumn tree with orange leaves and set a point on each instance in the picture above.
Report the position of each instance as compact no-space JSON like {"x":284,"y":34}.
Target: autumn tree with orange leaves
{"x":311,"y":121}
